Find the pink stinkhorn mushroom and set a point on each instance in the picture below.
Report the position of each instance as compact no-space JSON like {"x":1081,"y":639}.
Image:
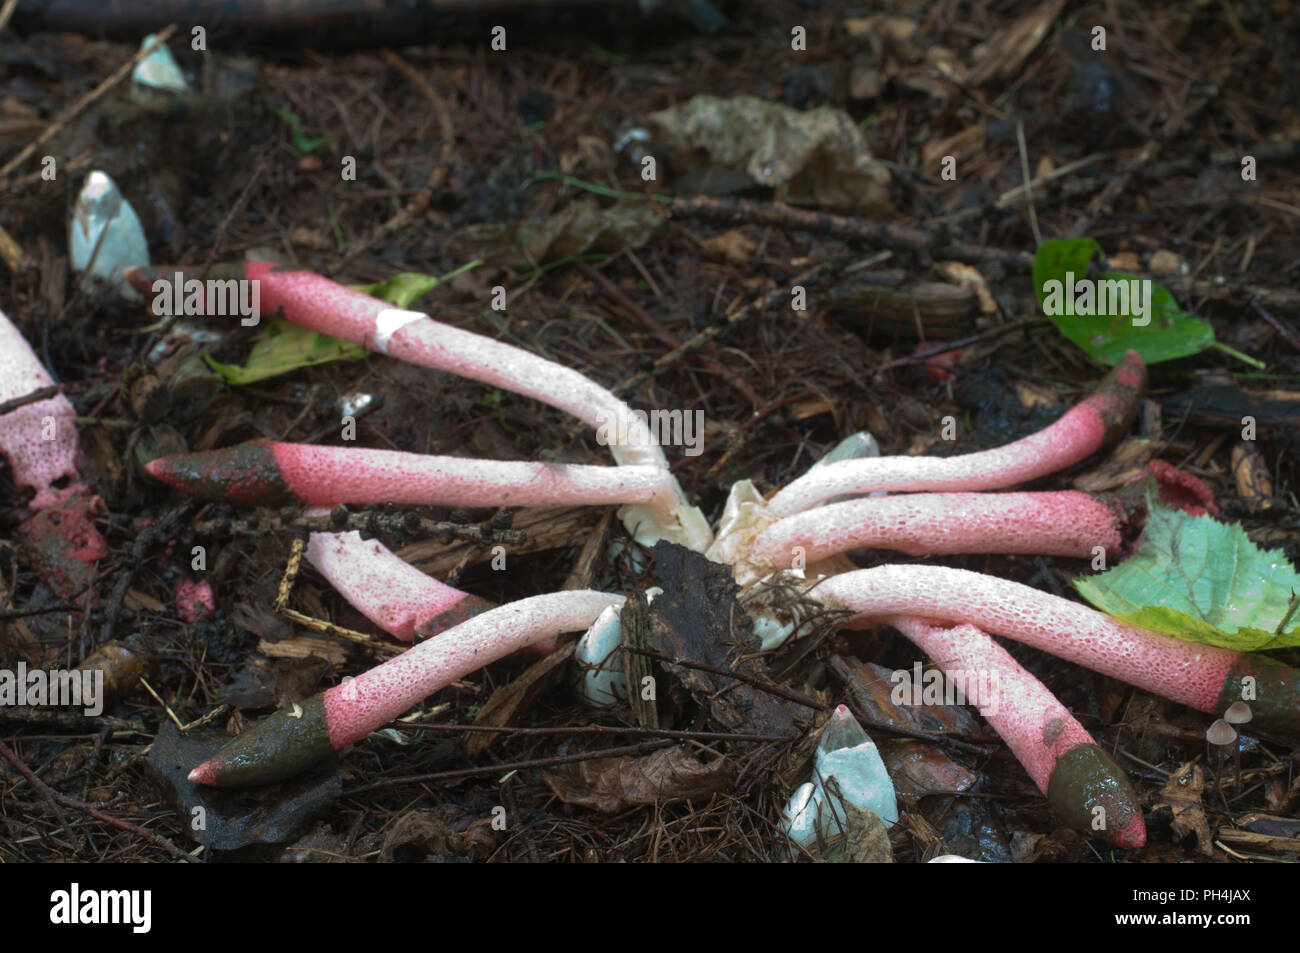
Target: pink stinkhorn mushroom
{"x":1105,"y":414}
{"x":1059,"y":523}
{"x":269,"y":472}
{"x":315,"y":302}
{"x":1200,"y":676}
{"x":388,"y":591}
{"x":39,"y":439}
{"x":40,"y":442}
{"x":1063,"y":523}
{"x":293,"y":739}
{"x":1062,"y":759}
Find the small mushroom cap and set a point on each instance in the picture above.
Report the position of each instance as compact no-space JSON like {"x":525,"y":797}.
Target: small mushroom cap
{"x":1221,"y":733}
{"x":1238,"y":713}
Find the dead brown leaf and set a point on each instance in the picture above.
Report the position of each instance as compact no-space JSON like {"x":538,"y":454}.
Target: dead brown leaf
{"x":610,"y":785}
{"x":1182,"y":796}
{"x":733,"y":247}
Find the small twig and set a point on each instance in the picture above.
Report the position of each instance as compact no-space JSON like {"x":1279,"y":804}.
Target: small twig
{"x":52,"y":795}
{"x":499,"y":520}
{"x":746,"y":212}
{"x":606,"y":730}
{"x":644,"y":747}
{"x":370,"y":522}
{"x":1024,"y":174}
{"x":37,"y":395}
{"x":6,"y":12}
{"x":763,"y":685}
{"x":76,"y":108}
{"x":922,"y":356}
{"x":1287,"y":334}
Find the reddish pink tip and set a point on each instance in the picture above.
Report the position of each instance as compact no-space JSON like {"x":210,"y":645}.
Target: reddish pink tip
{"x":1133,"y":834}
{"x":205,"y":773}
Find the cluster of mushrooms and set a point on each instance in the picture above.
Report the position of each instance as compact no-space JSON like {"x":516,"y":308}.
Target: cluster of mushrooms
{"x":793,"y":541}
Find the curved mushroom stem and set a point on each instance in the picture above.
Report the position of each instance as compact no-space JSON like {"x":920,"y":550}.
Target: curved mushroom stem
{"x":314,"y":302}
{"x":1199,"y":676}
{"x":1105,"y":414}
{"x":1080,"y":780}
{"x":293,"y":739}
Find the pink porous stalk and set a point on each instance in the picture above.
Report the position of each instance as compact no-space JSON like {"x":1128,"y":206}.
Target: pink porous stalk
{"x":327,"y":476}
{"x":359,"y":705}
{"x":315,"y":302}
{"x":40,"y":442}
{"x":388,"y":591}
{"x":38,"y":439}
{"x":1186,"y":672}
{"x":286,"y":742}
{"x":1061,"y":523}
{"x":1037,"y":728}
{"x":1106,"y":413}
{"x":1065,"y":523}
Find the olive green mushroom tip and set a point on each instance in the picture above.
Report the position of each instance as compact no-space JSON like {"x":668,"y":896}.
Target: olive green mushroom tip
{"x":1221,"y":733}
{"x":1238,"y":713}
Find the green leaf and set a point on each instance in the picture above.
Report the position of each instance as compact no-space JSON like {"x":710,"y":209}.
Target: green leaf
{"x":300,"y":142}
{"x":404,"y":288}
{"x":285,"y":347}
{"x":1203,"y":581}
{"x":1168,"y":332}
{"x":401,"y":289}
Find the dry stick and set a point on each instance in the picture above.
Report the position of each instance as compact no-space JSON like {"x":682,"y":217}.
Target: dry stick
{"x":235,"y":208}
{"x":42,"y":789}
{"x":437,"y":176}
{"x":745,"y":212}
{"x":371,"y":522}
{"x":762,"y":684}
{"x":922,"y":356}
{"x":1287,"y":334}
{"x":68,"y":801}
{"x":644,"y":747}
{"x":1067,"y":190}
{"x":281,"y":608}
{"x":1024,"y":173}
{"x":35,"y":396}
{"x":7,"y":12}
{"x":607,"y":730}
{"x":75,"y":109}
